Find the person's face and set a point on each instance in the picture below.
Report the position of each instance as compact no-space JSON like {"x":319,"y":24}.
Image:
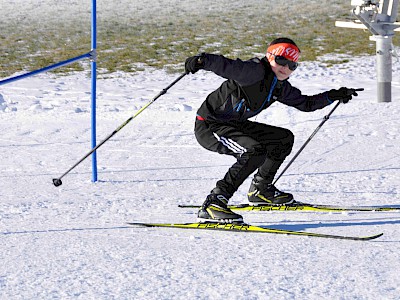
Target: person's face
{"x":281,"y":72}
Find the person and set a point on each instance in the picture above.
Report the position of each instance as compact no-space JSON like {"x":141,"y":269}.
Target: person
{"x":222,"y":124}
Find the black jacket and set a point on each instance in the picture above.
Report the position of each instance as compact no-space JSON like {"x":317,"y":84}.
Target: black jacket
{"x":251,"y":87}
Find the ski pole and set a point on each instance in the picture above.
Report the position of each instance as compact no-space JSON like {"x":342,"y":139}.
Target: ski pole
{"x":58,"y":182}
{"x":326,"y":118}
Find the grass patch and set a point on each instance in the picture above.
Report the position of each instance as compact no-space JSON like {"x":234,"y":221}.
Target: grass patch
{"x":131,"y":38}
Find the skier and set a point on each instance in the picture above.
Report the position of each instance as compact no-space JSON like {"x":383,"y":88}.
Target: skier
{"x":222,"y":123}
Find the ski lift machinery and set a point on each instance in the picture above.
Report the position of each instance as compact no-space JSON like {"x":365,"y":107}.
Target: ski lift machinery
{"x":379,"y":17}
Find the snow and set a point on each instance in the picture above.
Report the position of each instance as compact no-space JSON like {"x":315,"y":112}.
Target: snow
{"x":72,"y":242}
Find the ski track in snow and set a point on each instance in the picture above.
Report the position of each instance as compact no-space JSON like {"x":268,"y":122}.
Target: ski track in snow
{"x":72,"y":242}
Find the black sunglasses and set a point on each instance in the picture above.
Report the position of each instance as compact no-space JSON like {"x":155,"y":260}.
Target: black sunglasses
{"x":283,"y":61}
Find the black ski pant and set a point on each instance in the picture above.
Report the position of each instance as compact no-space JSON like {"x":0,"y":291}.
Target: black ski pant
{"x":255,"y":146}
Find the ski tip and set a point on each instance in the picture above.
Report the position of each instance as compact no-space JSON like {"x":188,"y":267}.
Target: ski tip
{"x":376,"y":236}
{"x":371,"y":237}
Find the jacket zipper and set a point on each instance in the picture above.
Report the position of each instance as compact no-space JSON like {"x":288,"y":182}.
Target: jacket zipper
{"x":268,"y":99}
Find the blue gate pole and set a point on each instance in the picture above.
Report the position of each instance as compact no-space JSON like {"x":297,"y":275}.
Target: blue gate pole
{"x":48,"y":68}
{"x":93,"y":65}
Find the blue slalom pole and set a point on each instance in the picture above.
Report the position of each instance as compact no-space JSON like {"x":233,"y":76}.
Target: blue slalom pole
{"x":93,"y":65}
{"x":49,"y":68}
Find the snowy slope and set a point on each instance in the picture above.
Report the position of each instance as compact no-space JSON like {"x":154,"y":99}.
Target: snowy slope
{"x":71,"y":242}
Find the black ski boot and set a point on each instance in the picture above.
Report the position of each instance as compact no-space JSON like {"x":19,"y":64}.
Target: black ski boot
{"x":215,"y":209}
{"x":262,"y":192}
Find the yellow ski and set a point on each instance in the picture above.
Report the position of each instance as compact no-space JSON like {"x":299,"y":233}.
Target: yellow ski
{"x":242,"y":227}
{"x":299,"y":206}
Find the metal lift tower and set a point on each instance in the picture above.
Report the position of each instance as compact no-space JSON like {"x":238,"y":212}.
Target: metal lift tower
{"x":379,"y":17}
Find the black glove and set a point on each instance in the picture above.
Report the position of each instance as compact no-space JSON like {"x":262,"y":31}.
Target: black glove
{"x":194,"y":63}
{"x":343,"y":94}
